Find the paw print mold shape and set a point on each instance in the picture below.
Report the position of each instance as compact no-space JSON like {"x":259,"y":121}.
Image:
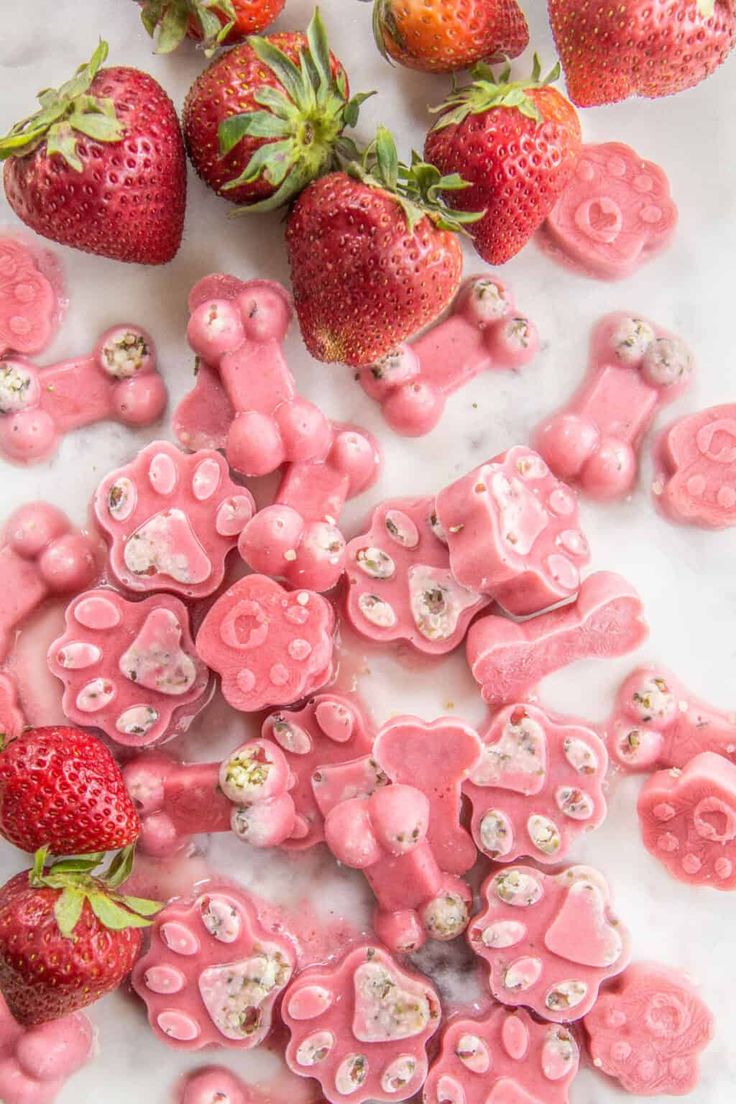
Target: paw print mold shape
{"x":537,"y":787}
{"x":550,"y":940}
{"x":400,"y":586}
{"x":695,"y":469}
{"x":129,"y":668}
{"x":171,"y":519}
{"x":614,"y":215}
{"x":35,"y":1062}
{"x":213,"y":973}
{"x":635,"y":368}
{"x":361,"y":1027}
{"x":12,"y":721}
{"x":507,"y":658}
{"x":513,"y":532}
{"x":270,"y":646}
{"x":648,"y":1030}
{"x":505,"y":1058}
{"x":483,"y":331}
{"x":31,"y":299}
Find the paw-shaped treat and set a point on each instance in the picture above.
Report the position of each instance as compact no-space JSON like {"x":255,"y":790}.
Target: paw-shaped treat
{"x":31,"y":297}
{"x":435,"y":758}
{"x":213,"y":972}
{"x":40,"y":555}
{"x":269,"y":645}
{"x":361,"y":1027}
{"x":12,"y":721}
{"x":217,"y":1085}
{"x":614,"y":215}
{"x":537,"y":787}
{"x":647,"y":1030}
{"x":635,"y":367}
{"x":129,"y":668}
{"x":36,"y":1061}
{"x":550,"y":940}
{"x":513,"y":532}
{"x":171,"y":519}
{"x":400,"y":586}
{"x":695,"y":462}
{"x":505,"y":1058}
{"x":508,"y":658}
{"x":484,"y":331}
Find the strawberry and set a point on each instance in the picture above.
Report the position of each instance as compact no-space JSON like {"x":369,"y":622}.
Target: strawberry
{"x":66,"y":936}
{"x":517,"y":143}
{"x":640,"y":47}
{"x":440,"y":36}
{"x":101,"y":167}
{"x":62,"y":788}
{"x":213,"y":22}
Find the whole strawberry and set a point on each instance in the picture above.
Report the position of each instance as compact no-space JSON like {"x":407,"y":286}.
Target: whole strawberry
{"x":640,"y":47}
{"x":440,"y":36}
{"x":101,"y":167}
{"x":517,"y":143}
{"x":212,"y":22}
{"x":60,"y":787}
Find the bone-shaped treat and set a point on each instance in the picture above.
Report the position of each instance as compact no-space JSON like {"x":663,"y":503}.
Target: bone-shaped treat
{"x":31,"y":296}
{"x":695,"y":469}
{"x":12,"y":721}
{"x":35,"y":1062}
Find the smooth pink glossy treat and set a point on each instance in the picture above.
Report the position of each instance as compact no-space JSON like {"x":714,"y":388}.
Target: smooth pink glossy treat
{"x":508,"y":658}
{"x":483,"y":331}
{"x":31,"y":296}
{"x":695,"y":469}
{"x":35,"y":1062}
{"x":513,"y":532}
{"x":217,"y":1085}
{"x":550,"y":940}
{"x":648,"y":1030}
{"x":171,"y":519}
{"x":12,"y":721}
{"x":361,"y":1027}
{"x":213,"y":972}
{"x":505,"y":1058}
{"x":635,"y":368}
{"x":614,"y":215}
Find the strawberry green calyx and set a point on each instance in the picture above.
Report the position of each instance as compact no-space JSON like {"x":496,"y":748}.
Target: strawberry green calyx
{"x":488,"y":91}
{"x":169,"y":20}
{"x":385,"y":24}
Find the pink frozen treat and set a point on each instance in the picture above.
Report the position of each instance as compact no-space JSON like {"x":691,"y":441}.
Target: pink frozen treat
{"x":614,"y":215}
{"x":538,"y":786}
{"x":648,"y":1029}
{"x":217,"y":1085}
{"x":695,"y":469}
{"x":269,"y":645}
{"x":435,"y":758}
{"x":484,"y":331}
{"x":129,"y":668}
{"x":30,"y":297}
{"x":635,"y":369}
{"x":508,"y":658}
{"x":361,"y":1027}
{"x":513,"y":532}
{"x":550,"y":940}
{"x":385,"y":836}
{"x":505,"y":1058}
{"x":213,"y":973}
{"x":40,"y":555}
{"x":171,"y":519}
{"x":36,"y":1061}
{"x":400,"y":586}
{"x":12,"y":721}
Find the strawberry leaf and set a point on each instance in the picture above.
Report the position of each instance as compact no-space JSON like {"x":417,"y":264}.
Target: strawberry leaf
{"x":142,"y":906}
{"x":81,"y":864}
{"x":488,"y":92}
{"x":120,"y":868}
{"x":172,"y":28}
{"x":68,"y":909}
{"x":113,"y":916}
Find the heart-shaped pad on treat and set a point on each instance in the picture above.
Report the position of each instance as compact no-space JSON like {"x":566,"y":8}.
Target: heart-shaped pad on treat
{"x":166,"y":544}
{"x":156,"y":659}
{"x":235,"y":992}
{"x":581,"y":932}
{"x":518,"y":760}
{"x":384,"y":1011}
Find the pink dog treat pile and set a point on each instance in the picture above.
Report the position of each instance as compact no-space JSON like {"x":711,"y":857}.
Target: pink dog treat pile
{"x":35,"y":1062}
{"x":695,"y":469}
{"x":31,"y":297}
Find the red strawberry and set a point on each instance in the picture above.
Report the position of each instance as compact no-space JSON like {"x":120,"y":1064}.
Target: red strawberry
{"x":66,"y":937}
{"x":640,"y":47}
{"x":517,"y":143}
{"x":101,"y":166}
{"x":213,"y":22}
{"x":61,"y":787}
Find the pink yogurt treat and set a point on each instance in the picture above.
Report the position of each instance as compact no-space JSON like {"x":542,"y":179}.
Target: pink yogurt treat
{"x":505,"y":1058}
{"x":361,"y":1027}
{"x":12,"y":721}
{"x":648,"y":1029}
{"x":695,"y":469}
{"x":217,"y":1085}
{"x":550,"y":940}
{"x":31,"y":297}
{"x":213,"y":973}
{"x":513,"y":532}
{"x":35,"y":1062}
{"x":635,"y":368}
{"x":538,"y":786}
{"x":484,"y":331}
{"x":171,"y":519}
{"x":614,"y":215}
{"x":129,"y":668}
{"x":508,"y":658}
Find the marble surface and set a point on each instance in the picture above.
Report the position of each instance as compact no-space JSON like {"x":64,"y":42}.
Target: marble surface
{"x":686,"y":576}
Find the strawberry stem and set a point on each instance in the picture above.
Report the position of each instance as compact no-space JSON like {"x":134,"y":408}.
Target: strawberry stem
{"x":487,"y":91}
{"x":169,"y":20}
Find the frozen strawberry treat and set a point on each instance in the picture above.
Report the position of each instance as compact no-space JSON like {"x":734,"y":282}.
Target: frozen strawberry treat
{"x":213,"y":972}
{"x":550,"y":940}
{"x":695,"y":469}
{"x":31,"y":297}
{"x":361,"y":1027}
{"x":217,"y":1085}
{"x":513,"y":532}
{"x":171,"y":519}
{"x":635,"y":368}
{"x":35,"y":1062}
{"x":648,"y":1030}
{"x":130,"y":668}
{"x":12,"y":720}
